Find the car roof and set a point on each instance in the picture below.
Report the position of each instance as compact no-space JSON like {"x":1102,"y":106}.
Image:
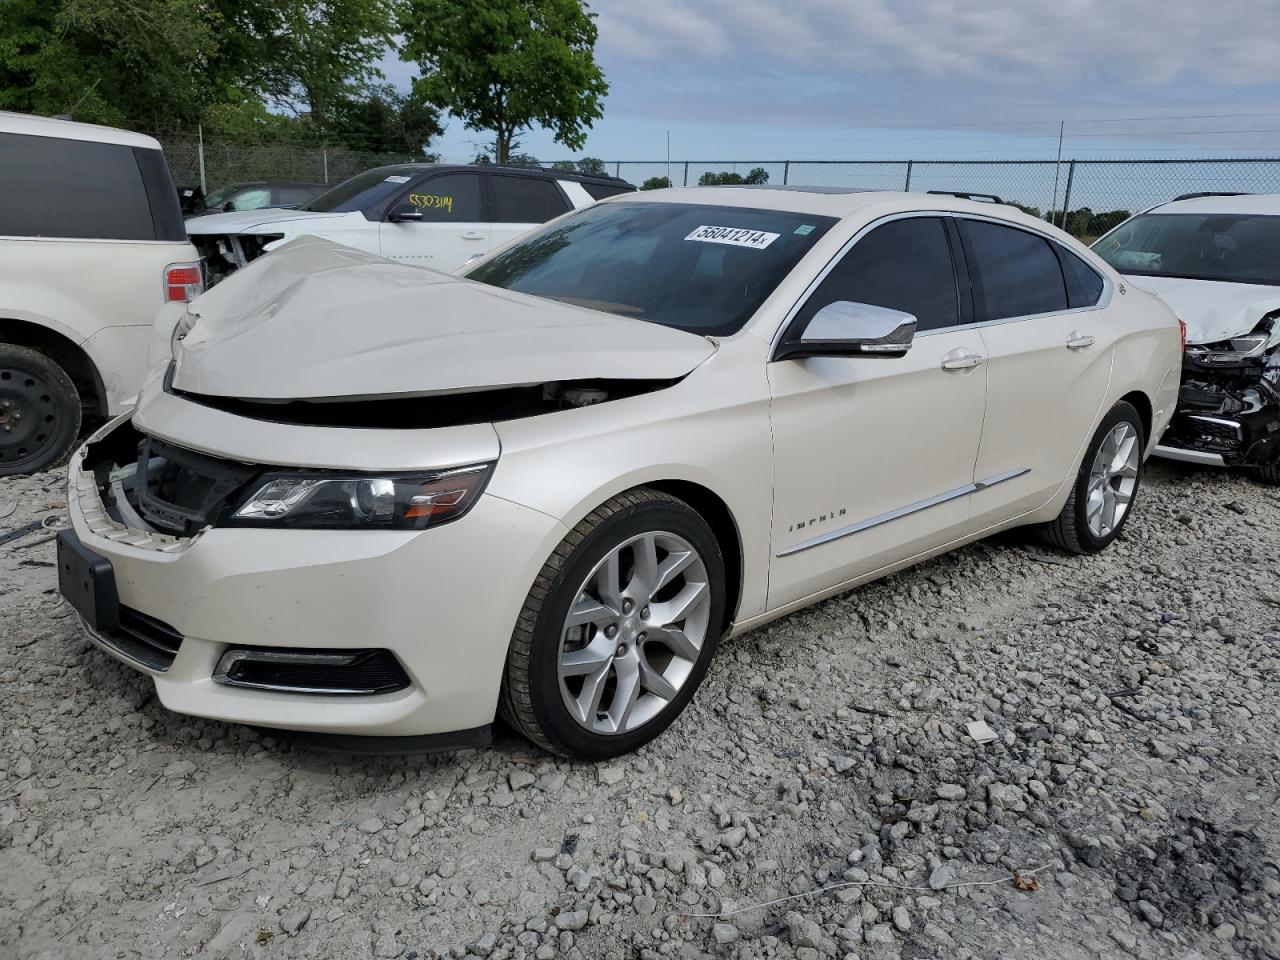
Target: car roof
{"x":1263,"y":204}
{"x":544,"y":172}
{"x":838,"y":202}
{"x":33,"y":126}
{"x":276,"y":183}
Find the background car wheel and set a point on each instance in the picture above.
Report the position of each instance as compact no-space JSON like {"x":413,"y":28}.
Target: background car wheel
{"x":39,"y":411}
{"x":618,"y":630}
{"x":1269,"y":474}
{"x":1102,"y":497}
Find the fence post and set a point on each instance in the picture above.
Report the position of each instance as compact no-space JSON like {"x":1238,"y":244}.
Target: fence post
{"x":204,"y":187}
{"x":910,"y":164}
{"x":325,"y":153}
{"x":1066,"y":196}
{"x":617,"y":168}
{"x":686,"y":173}
{"x":786,"y":171}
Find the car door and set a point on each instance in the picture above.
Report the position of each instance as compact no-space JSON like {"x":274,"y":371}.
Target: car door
{"x":873,"y":457}
{"x":518,"y":204}
{"x":1049,"y":352}
{"x":436,"y":223}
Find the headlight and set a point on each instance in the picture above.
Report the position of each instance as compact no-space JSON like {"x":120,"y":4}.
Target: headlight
{"x":394,"y":502}
{"x":1264,"y":338}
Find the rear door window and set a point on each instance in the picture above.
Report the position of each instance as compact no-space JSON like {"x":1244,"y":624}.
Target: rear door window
{"x":450,"y":198}
{"x":526,"y":200}
{"x":51,"y":187}
{"x":1015,"y":272}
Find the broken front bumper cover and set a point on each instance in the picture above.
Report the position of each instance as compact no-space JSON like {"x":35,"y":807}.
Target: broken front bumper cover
{"x":1224,"y":424}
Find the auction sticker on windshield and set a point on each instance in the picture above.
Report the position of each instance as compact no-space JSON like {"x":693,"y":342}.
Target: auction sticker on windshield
{"x":734,"y":236}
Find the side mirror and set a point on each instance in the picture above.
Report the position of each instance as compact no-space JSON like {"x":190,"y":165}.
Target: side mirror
{"x":405,"y":213}
{"x":229,"y":206}
{"x":848,"y":329}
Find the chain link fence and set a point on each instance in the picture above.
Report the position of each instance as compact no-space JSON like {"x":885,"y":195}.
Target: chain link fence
{"x":1086,"y":189}
{"x":1094,"y":193}
{"x":217,"y":163}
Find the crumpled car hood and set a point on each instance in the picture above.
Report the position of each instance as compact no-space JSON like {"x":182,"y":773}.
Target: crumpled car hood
{"x":238,"y":221}
{"x":1213,"y":310}
{"x":317,"y":320}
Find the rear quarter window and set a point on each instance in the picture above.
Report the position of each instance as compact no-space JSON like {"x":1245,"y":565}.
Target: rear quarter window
{"x":1084,"y":284}
{"x":598,"y":191}
{"x":51,"y":187}
{"x":526,"y":200}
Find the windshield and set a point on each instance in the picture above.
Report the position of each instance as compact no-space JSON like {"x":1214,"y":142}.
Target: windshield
{"x":219,"y":197}
{"x":1238,"y":248}
{"x":360,"y":192}
{"x":699,"y":268}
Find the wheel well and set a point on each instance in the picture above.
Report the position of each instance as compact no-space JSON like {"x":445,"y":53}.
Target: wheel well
{"x":1138,"y":400}
{"x":66,"y":354}
{"x":718,"y":516}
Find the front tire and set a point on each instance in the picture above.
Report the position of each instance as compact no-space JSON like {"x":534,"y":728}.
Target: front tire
{"x":40,"y":411}
{"x":1104,"y":490}
{"x":618,"y":630}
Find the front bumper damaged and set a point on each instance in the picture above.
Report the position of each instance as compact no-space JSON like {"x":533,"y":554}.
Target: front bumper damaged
{"x":1227,"y":415}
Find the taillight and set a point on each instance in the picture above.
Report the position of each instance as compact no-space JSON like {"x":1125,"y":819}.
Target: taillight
{"x":1182,"y":332}
{"x":182,"y":282}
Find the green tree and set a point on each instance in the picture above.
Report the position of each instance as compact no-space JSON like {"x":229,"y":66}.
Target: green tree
{"x":386,"y":121}
{"x":108,"y":61}
{"x":325,"y":52}
{"x":655,"y":183}
{"x":592,"y":166}
{"x":505,"y":65}
{"x":756,"y":175}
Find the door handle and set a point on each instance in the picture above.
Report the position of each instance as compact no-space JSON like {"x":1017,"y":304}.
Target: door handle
{"x":472,"y":235}
{"x":1079,"y":341}
{"x":960,"y":360}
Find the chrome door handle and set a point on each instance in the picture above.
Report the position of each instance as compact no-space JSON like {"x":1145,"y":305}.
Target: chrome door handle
{"x":472,"y":235}
{"x":1079,"y":341}
{"x":959,"y":360}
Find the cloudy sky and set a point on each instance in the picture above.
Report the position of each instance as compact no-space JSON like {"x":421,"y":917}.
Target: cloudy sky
{"x":845,"y":79}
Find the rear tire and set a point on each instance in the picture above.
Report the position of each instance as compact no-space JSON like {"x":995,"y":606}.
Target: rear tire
{"x":40,"y":411}
{"x":1088,"y":522}
{"x":1269,"y":474}
{"x":617,"y":673}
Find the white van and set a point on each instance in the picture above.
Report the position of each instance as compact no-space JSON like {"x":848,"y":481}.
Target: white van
{"x":91,"y":245}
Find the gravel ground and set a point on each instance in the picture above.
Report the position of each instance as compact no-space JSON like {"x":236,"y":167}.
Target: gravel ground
{"x":1133,"y":783}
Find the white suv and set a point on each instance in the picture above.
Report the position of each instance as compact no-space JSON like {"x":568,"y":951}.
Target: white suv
{"x":91,"y":246}
{"x":429,"y":215}
{"x":1215,"y":258}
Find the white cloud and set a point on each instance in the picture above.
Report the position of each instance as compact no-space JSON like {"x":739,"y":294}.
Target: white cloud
{"x":1141,"y":42}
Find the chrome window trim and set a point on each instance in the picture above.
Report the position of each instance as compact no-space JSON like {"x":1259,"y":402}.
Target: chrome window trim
{"x":1104,"y":300}
{"x":900,"y":512}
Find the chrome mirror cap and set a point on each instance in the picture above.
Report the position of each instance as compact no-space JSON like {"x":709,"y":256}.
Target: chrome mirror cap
{"x":848,"y":328}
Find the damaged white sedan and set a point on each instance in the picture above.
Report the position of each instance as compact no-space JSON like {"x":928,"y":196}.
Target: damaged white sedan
{"x":365,"y":499}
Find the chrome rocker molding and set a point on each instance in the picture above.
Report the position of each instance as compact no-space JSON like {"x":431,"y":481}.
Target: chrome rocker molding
{"x":898,"y":514}
{"x":1189,"y":456}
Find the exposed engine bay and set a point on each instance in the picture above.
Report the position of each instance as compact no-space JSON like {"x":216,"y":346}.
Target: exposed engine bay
{"x":225,"y":254}
{"x":1229,"y":403}
{"x":437,"y":410}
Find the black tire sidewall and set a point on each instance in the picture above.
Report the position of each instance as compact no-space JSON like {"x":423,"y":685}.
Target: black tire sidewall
{"x":1121,"y":412}
{"x":62,"y":392}
{"x":544,"y":683}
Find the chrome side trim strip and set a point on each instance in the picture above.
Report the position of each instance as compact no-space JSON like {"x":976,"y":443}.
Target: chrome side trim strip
{"x":1189,"y":456}
{"x":900,"y":512}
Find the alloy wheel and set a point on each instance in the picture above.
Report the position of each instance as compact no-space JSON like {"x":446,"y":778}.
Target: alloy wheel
{"x":1112,"y":480}
{"x":634,"y":633}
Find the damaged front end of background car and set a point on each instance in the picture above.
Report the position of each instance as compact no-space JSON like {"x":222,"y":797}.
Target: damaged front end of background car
{"x":1229,"y":405}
